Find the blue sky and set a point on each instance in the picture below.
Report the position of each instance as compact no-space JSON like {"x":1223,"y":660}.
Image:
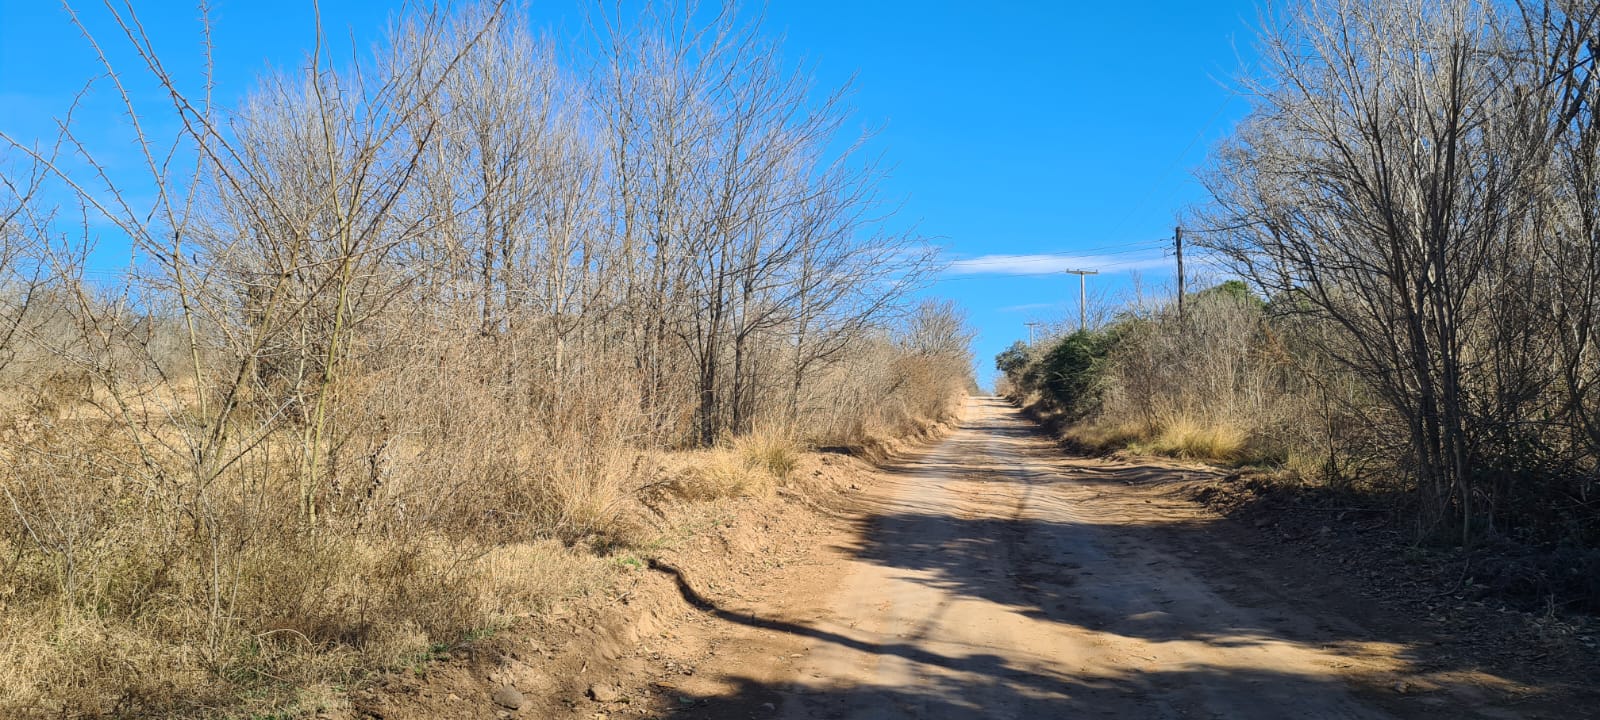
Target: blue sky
{"x":1024,"y":137}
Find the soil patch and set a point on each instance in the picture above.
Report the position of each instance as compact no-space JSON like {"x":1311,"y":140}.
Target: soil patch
{"x":633,"y":648}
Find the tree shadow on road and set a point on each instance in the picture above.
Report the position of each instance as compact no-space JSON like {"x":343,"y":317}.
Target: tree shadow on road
{"x":988,"y":685}
{"x":1247,"y":695}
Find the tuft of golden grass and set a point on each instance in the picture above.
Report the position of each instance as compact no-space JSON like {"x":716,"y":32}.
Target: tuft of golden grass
{"x":719,"y":473}
{"x":1103,"y":436}
{"x":773,"y":452}
{"x":1172,"y":435}
{"x":1193,"y":438}
{"x":746,"y":466}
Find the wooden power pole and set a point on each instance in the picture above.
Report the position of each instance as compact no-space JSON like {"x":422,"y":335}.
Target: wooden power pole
{"x":1083,"y":296}
{"x":1031,"y":326}
{"x":1177,"y":248}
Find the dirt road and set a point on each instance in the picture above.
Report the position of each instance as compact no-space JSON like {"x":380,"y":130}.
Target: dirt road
{"x":994,"y":577}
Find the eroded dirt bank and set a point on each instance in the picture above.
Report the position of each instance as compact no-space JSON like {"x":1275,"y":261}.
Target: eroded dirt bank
{"x":993,"y":577}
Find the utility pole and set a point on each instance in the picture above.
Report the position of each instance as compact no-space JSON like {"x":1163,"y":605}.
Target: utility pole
{"x":1177,"y":248}
{"x":1083,"y":296}
{"x":1031,"y":326}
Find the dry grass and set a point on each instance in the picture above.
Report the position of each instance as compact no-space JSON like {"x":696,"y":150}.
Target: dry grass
{"x":1190,"y":438}
{"x":1217,"y":384}
{"x":309,"y":612}
{"x":770,"y":451}
{"x":526,"y":578}
{"x":449,"y":505}
{"x":132,"y":589}
{"x":1179,"y":436}
{"x":718,"y":473}
{"x":747,"y":466}
{"x":1103,"y":436}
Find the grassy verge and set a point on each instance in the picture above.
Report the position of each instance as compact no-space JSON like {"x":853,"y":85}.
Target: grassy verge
{"x":119,"y":608}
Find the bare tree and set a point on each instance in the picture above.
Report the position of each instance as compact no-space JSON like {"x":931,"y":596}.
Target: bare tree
{"x":736,"y":226}
{"x":1395,"y":179}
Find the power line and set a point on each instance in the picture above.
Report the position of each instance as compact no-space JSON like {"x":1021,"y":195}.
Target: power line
{"x":1162,"y":178}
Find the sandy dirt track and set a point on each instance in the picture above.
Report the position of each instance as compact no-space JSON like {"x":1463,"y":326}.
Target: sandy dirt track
{"x":992,"y":576}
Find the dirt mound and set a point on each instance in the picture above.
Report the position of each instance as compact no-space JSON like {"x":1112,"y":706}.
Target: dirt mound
{"x":631,"y":645}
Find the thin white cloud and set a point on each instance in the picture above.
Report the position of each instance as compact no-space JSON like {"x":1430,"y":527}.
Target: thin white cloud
{"x":1045,"y":264}
{"x":1030,"y":306}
